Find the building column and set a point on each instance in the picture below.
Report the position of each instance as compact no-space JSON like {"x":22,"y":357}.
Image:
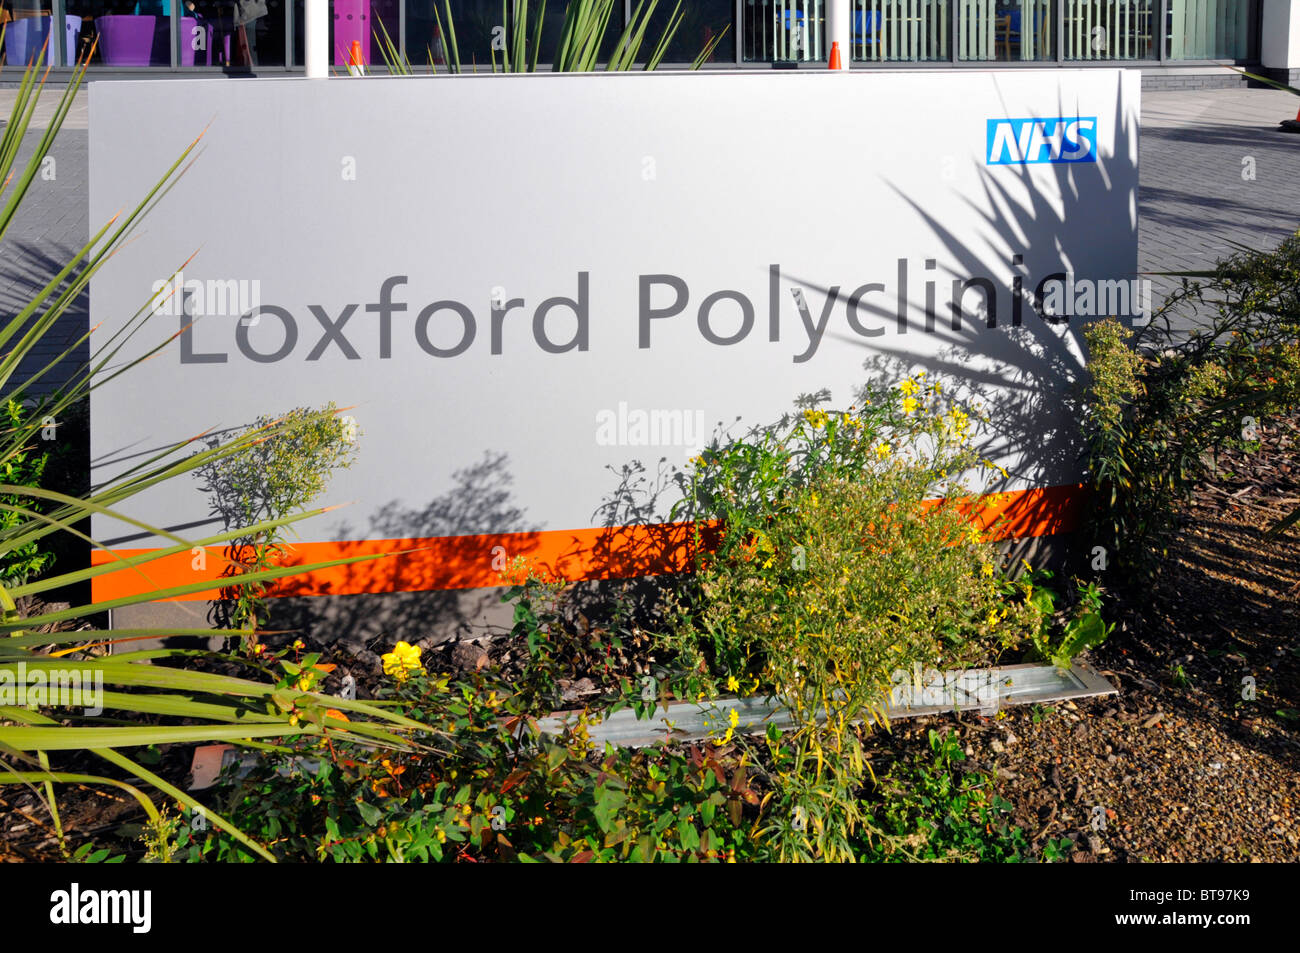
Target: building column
{"x":1279,"y":42}
{"x":316,"y":41}
{"x":839,"y":19}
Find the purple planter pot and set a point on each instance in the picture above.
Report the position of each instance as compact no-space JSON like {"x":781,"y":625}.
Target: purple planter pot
{"x":24,"y":39}
{"x":189,"y":55}
{"x":126,"y":40}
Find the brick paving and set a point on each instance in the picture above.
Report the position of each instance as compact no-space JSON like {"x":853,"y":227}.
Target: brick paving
{"x":50,"y":228}
{"x":1215,"y":171}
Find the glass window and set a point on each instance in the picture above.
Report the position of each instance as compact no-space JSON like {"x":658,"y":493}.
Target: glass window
{"x":1006,"y":30}
{"x":700,"y":25}
{"x":143,"y":33}
{"x":785,"y":30}
{"x":1212,"y":30}
{"x":1110,"y":29}
{"x":467,"y":37}
{"x":28,"y":24}
{"x":129,"y":33}
{"x":232,"y":34}
{"x":900,"y":30}
{"x":480,"y":36}
{"x":424,"y":44}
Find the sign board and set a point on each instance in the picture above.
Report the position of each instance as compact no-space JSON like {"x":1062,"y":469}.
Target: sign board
{"x":523,"y":285}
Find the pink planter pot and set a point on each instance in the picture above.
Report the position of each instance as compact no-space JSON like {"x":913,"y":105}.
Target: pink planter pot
{"x":351,"y":22}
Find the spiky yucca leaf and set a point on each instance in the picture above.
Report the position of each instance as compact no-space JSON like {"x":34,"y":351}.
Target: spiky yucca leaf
{"x":202,"y":706}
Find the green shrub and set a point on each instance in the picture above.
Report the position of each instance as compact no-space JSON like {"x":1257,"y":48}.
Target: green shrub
{"x":485,"y":789}
{"x":1083,"y":629}
{"x":1162,"y":401}
{"x":834,"y":566}
{"x":846,"y":573}
{"x":846,"y":538}
{"x":847,"y":555}
{"x":22,"y":466}
{"x":930,"y":809}
{"x":269,"y":479}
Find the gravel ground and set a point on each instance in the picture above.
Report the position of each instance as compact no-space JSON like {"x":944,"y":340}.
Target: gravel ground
{"x":1179,"y":766}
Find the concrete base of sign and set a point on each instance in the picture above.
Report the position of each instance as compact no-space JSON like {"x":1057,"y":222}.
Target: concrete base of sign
{"x":357,"y":622}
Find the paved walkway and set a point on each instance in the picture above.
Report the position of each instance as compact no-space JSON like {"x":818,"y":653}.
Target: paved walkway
{"x":1215,"y":173}
{"x":50,"y":228}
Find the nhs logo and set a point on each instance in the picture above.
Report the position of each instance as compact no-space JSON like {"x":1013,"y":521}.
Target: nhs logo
{"x":1025,"y":141}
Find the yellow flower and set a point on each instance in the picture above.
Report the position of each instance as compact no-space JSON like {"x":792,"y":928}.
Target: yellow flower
{"x":817,"y":418}
{"x":442,"y":836}
{"x":402,"y":661}
{"x":882,"y":451}
{"x":908,"y":387}
{"x":910,"y":404}
{"x":732,"y":684}
{"x":734,"y":718}
{"x":958,"y":422}
{"x":992,"y":618}
{"x":987,"y":569}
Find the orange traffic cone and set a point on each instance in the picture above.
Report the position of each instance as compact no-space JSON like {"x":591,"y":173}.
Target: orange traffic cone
{"x":835,"y":56}
{"x":355,"y":66}
{"x":1292,"y":125}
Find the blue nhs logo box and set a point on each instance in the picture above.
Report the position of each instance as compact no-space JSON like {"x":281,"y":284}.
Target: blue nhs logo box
{"x":1026,"y":141}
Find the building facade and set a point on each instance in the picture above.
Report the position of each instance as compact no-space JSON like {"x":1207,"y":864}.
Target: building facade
{"x":1175,"y":42}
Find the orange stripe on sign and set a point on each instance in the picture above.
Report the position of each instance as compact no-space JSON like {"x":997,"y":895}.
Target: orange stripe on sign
{"x":473,"y":562}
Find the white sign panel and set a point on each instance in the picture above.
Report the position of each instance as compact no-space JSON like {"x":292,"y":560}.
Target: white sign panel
{"x":522,"y":284}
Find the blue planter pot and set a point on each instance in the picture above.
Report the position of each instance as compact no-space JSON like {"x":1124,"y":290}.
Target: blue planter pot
{"x":24,"y":39}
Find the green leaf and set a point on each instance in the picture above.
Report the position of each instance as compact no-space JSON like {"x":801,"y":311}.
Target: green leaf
{"x":687,"y":834}
{"x":609,"y":801}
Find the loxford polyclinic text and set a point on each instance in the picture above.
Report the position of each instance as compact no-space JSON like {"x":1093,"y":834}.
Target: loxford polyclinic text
{"x":791,"y":313}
